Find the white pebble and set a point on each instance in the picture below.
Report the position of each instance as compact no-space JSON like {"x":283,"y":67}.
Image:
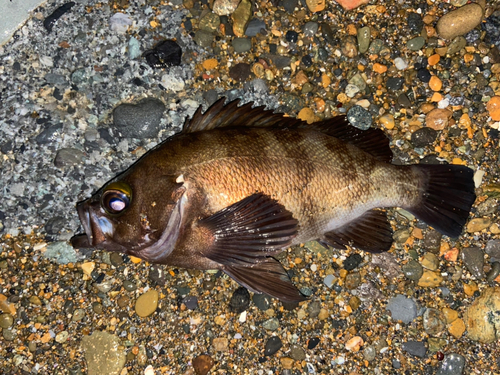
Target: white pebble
{"x":443,"y":103}
{"x":351,"y":90}
{"x":314,"y":267}
{"x":171,"y":82}
{"x":149,"y":370}
{"x":243,"y":317}
{"x":478,"y":178}
{"x":400,"y":63}
{"x":120,"y":23}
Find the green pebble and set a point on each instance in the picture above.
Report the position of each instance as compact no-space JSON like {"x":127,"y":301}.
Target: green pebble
{"x":9,"y":334}
{"x":413,"y":270}
{"x":6,"y":321}
{"x":129,"y":285}
{"x":416,"y":44}
{"x":78,"y":315}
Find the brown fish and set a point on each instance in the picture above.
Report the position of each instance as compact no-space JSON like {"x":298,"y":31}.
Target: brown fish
{"x":240,"y":184}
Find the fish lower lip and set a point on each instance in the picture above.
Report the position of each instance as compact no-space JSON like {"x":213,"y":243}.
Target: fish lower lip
{"x":84,"y":215}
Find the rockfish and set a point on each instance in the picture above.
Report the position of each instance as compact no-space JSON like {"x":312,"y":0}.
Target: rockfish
{"x":239,"y":184}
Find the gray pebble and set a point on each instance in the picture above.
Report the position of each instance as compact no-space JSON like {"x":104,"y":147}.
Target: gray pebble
{"x":9,"y":334}
{"x":314,"y":308}
{"x":310,"y":29}
{"x":413,"y":270}
{"x":369,"y":353}
{"x":254,"y":27}
{"x":49,"y":134}
{"x":453,"y":364}
{"x":157,"y":274}
{"x":415,"y":44}
{"x":493,"y":272}
{"x":241,"y":45}
{"x":359,"y":117}
{"x":456,"y":45}
{"x":61,"y":252}
{"x":116,"y":259}
{"x":402,"y":308}
{"x":488,"y":207}
{"x":281,"y":61}
{"x":191,"y":302}
{"x":271,"y":324}
{"x":141,"y":120}
{"x":473,"y":258}
{"x":432,"y":240}
{"x":395,"y":83}
{"x":415,"y":348}
{"x":493,"y":249}
{"x":55,"y":79}
{"x":55,"y":224}
{"x":203,"y":38}
{"x":67,"y":157}
{"x":329,"y":280}
{"x":375,"y":47}
{"x":434,"y":322}
{"x":262,"y":301}
{"x":129,"y":285}
{"x":290,"y":5}
{"x":297,"y":353}
{"x":363,"y":39}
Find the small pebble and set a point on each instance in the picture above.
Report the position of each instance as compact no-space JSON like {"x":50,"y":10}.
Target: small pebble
{"x":473,"y":258}
{"x":434,"y":322}
{"x":415,"y":348}
{"x":359,"y":117}
{"x":240,"y":300}
{"x":402,"y":308}
{"x":459,"y":21}
{"x":430,"y":279}
{"x":272,"y":346}
{"x":202,"y":364}
{"x":147,"y":303}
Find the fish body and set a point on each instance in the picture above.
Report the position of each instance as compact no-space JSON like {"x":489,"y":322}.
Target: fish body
{"x":240,"y":184}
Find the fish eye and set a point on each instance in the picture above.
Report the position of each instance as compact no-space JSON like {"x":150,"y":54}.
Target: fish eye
{"x":116,"y":197}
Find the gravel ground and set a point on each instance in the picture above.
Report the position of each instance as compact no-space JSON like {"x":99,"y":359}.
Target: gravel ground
{"x":78,"y":104}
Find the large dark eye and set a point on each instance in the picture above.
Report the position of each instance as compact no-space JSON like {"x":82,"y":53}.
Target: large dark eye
{"x":116,"y":197}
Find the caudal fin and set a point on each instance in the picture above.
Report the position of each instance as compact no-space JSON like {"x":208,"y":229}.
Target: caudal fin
{"x":447,"y":197}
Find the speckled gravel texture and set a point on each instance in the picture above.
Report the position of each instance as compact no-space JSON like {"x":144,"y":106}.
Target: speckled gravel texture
{"x":403,"y":312}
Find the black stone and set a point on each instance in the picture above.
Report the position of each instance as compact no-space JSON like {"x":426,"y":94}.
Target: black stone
{"x":352,"y":261}
{"x":415,"y":348}
{"x":157,"y":274}
{"x":141,"y":120}
{"x":240,"y":300}
{"x":240,"y":72}
{"x":55,"y":224}
{"x":57,"y":94}
{"x":415,"y":22}
{"x":164,"y":54}
{"x":307,"y":61}
{"x":423,"y":137}
{"x":424,"y":75}
{"x":395,"y":83}
{"x":272,"y":346}
{"x":289,"y":5}
{"x":291,"y":36}
{"x":262,"y":301}
{"x":49,"y":134}
{"x":191,"y":302}
{"x":312,"y":343}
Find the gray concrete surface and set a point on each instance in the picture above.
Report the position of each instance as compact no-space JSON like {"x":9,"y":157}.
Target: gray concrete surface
{"x":13,"y":14}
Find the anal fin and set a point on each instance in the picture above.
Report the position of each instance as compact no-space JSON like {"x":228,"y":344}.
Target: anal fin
{"x":369,"y":232}
{"x":266,"y":276}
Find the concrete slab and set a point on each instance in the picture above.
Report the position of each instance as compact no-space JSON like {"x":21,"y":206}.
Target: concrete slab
{"x":13,"y":14}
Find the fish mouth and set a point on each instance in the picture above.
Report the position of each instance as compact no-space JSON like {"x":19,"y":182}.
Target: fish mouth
{"x":93,"y":235}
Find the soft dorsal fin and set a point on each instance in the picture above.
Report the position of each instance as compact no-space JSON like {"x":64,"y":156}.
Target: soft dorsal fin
{"x":372,"y":141}
{"x":220,"y":116}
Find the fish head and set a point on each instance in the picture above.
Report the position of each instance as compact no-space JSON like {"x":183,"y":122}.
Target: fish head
{"x":134,"y":214}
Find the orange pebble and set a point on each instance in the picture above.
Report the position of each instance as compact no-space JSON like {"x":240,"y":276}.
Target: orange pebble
{"x":493,"y":107}
{"x":435,"y":83}
{"x":434,"y":59}
{"x":379,"y":68}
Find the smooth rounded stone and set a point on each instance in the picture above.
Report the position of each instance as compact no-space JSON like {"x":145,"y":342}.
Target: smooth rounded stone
{"x":376,"y":47}
{"x":415,"y":22}
{"x":415,"y":348}
{"x":157,"y":274}
{"x":401,"y":235}
{"x":432,"y":240}
{"x":62,"y":337}
{"x":352,"y":261}
{"x":351,"y":90}
{"x":272,"y":346}
{"x":78,"y":315}
{"x":240,"y":72}
{"x":352,"y":280}
{"x":423,"y":137}
{"x":313,"y":309}
{"x":104,"y":353}
{"x":424,"y":75}
{"x":297,"y":353}
{"x":430,"y":279}
{"x":123,"y":301}
{"x":430,"y":261}
{"x":241,"y":45}
{"x":254,"y":27}
{"x":415,"y":44}
{"x":404,"y":101}
{"x":359,"y":117}
{"x":240,"y":300}
{"x":67,"y":157}
{"x":478,"y":224}
{"x":363,"y":39}
{"x":482,"y":317}
{"x":271,"y":324}
{"x":191,"y":302}
{"x":329,"y":280}
{"x":452,"y":364}
{"x":396,"y":364}
{"x":289,"y":5}
{"x":291,"y":36}
{"x":140,"y":120}
{"x":438,"y":118}
{"x":358,"y":81}
{"x":147,"y":303}
{"x":402,"y":308}
{"x":134,"y":48}
{"x":488,"y":207}
{"x":493,"y":272}
{"x":97,"y":308}
{"x":473,"y":258}
{"x":262,"y":301}
{"x":395,"y":83}
{"x":6,"y":321}
{"x":9,"y":334}
{"x":210,"y":22}
{"x":119,"y":23}
{"x":203,"y":38}
{"x":400,"y":63}
{"x":241,"y":16}
{"x":493,"y":249}
{"x":225,"y":7}
{"x":434,"y":322}
{"x":310,"y":29}
{"x":116,"y":259}
{"x":459,"y":21}
{"x":456,"y":45}
{"x":202,"y":364}
{"x":369,"y":353}
{"x":129,"y":286}
{"x":413,"y":270}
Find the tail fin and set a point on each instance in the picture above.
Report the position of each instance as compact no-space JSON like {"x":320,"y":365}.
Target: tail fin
{"x":448,"y":195}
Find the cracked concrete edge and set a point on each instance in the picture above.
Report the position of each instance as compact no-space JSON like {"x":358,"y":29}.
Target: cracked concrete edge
{"x":13,"y":15}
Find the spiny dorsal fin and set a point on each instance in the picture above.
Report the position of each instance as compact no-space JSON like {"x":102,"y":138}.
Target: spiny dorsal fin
{"x":220,"y":116}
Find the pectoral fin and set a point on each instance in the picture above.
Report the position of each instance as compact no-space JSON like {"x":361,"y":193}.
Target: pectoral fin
{"x":267,"y":276}
{"x":369,"y":232}
{"x":254,"y":227}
